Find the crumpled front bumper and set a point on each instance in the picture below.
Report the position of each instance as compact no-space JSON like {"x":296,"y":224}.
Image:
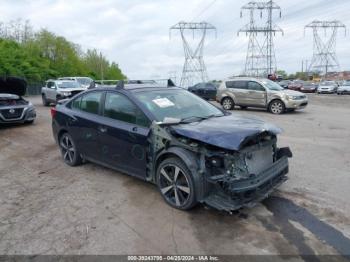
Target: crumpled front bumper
{"x":248,"y":192}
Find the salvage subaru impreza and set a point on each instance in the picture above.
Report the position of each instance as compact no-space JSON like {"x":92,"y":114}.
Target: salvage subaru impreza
{"x":193,"y":151}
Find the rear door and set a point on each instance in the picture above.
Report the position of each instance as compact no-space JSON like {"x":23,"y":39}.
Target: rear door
{"x":256,"y":94}
{"x":84,"y":123}
{"x":123,"y":134}
{"x":240,"y":90}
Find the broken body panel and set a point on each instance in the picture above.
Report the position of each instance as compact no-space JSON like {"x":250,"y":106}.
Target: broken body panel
{"x":234,"y":158}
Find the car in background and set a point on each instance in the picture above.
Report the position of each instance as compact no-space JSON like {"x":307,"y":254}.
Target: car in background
{"x":344,"y":88}
{"x":260,"y":93}
{"x":327,"y":87}
{"x":204,"y":90}
{"x":296,"y":85}
{"x":193,"y":151}
{"x":83,"y":81}
{"x":308,"y":87}
{"x":56,"y":90}
{"x":284,"y":83}
{"x":13,"y":107}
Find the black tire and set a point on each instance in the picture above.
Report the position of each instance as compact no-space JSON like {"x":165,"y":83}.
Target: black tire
{"x":227,"y":103}
{"x":45,"y":102}
{"x":178,"y":191}
{"x":70,"y":154}
{"x":30,"y":122}
{"x":277,"y":107}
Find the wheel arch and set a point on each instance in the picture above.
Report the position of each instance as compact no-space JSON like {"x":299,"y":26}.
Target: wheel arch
{"x":191,"y":161}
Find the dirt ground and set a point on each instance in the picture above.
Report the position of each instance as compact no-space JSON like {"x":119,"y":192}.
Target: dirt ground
{"x":48,"y":207}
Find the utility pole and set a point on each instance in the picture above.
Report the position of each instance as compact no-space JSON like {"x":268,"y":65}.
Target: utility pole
{"x":324,"y":56}
{"x":194,"y":69}
{"x":261,"y":60}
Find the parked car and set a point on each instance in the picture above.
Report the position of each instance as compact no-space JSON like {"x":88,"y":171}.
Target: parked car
{"x":328,"y":87}
{"x":296,"y":85}
{"x":263,"y":93}
{"x":204,"y":90}
{"x":193,"y":151}
{"x":55,"y":90}
{"x":344,"y":88}
{"x":84,"y":82}
{"x":284,"y":83}
{"x":308,"y":87}
{"x":13,"y":107}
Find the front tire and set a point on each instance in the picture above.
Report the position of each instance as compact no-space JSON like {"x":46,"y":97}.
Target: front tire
{"x":45,"y":102}
{"x":227,"y":103}
{"x":69,"y":152}
{"x":175,"y":183}
{"x":277,"y":107}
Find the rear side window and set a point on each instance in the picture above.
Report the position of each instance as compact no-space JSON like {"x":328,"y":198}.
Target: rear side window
{"x":89,"y":103}
{"x":236,"y":84}
{"x":119,"y":107}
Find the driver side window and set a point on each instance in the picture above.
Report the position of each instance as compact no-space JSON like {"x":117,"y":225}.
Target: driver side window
{"x":119,"y":107}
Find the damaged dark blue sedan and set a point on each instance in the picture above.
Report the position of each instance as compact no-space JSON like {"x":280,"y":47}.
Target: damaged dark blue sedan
{"x":193,"y":151}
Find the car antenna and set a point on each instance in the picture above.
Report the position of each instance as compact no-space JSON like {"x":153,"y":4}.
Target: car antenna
{"x":171,"y":83}
{"x":120,"y":84}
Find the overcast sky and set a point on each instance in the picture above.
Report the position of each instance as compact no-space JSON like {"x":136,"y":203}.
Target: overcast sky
{"x":135,"y":33}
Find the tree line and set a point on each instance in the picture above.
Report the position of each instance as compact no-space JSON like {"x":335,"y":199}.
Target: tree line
{"x":40,"y":55}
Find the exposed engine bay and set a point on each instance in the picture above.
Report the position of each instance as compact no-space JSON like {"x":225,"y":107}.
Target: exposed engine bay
{"x":231,"y":178}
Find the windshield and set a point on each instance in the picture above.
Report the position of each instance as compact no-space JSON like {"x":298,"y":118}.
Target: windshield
{"x":177,"y":103}
{"x":84,"y":80}
{"x":327,"y":83}
{"x":68,"y":84}
{"x":346,"y":83}
{"x":271,"y":85}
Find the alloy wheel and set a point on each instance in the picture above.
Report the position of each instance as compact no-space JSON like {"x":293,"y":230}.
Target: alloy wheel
{"x":227,"y":104}
{"x":174,"y":185}
{"x":67,"y":149}
{"x":276,"y":107}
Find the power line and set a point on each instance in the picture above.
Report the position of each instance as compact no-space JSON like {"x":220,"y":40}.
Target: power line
{"x":204,"y":10}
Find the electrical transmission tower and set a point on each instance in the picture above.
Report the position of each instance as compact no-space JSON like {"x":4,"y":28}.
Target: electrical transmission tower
{"x":260,"y":59}
{"x":324,"y":56}
{"x":194,"y":69}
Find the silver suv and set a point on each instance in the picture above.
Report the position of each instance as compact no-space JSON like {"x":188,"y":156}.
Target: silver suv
{"x":55,"y":90}
{"x":256,"y":92}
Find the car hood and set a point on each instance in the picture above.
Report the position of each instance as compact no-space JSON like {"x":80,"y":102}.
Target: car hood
{"x":328,"y":87}
{"x":292,"y":92}
{"x":13,"y":85}
{"x":229,"y":132}
{"x":71,"y":89}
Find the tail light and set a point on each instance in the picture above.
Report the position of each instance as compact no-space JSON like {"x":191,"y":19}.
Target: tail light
{"x":53,"y":112}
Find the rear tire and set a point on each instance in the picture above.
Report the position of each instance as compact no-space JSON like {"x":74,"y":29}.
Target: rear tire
{"x":228,"y":103}
{"x":277,"y":107}
{"x":176,"y":184}
{"x":69,"y":152}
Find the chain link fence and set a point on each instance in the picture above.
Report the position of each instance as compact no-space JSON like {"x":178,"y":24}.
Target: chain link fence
{"x":34,"y":89}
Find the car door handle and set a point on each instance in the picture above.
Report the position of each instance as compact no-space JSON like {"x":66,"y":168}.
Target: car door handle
{"x":102,"y":129}
{"x":134,"y":129}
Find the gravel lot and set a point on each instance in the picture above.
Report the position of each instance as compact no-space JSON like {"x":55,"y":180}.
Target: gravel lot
{"x":50,"y":208}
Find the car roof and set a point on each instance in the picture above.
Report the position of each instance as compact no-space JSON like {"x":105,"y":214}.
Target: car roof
{"x":245,"y":78}
{"x":136,"y":88}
